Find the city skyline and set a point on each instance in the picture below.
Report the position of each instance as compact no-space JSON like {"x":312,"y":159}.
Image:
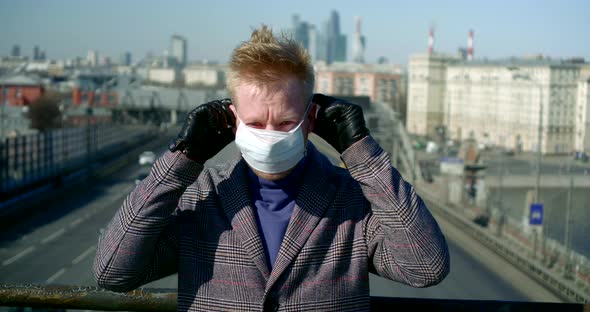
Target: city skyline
{"x":393,"y":30}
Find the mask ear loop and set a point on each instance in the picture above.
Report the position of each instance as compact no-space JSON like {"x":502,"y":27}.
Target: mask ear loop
{"x":309,"y":102}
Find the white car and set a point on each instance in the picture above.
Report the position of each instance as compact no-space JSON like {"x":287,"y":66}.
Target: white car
{"x":147,"y":158}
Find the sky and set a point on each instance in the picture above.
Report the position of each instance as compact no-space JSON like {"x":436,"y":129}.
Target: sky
{"x":393,"y":29}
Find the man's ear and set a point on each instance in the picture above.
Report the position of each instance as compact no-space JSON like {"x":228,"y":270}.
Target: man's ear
{"x":233,"y":109}
{"x":312,"y":116}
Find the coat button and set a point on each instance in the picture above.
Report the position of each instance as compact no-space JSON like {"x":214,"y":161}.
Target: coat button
{"x":271,"y":304}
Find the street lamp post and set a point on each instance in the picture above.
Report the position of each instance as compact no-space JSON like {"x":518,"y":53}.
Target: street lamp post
{"x":502,"y":217}
{"x":568,"y":274}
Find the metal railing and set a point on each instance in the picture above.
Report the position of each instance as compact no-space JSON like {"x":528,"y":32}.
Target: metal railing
{"x":93,"y":298}
{"x":566,"y":289}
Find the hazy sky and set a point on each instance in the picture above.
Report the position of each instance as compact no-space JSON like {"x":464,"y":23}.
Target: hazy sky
{"x":394,"y":29}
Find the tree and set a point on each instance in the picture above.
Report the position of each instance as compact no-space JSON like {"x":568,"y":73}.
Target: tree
{"x":44,"y":112}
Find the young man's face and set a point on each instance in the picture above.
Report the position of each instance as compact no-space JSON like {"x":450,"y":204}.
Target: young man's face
{"x":280,"y":109}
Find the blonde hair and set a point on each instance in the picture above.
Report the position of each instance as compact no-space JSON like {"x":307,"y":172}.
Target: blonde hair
{"x":266,"y":60}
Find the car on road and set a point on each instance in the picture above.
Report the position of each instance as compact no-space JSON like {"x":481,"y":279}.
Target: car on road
{"x":581,"y":156}
{"x":147,"y":158}
{"x":508,"y":152}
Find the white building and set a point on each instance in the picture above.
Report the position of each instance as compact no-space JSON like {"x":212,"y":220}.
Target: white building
{"x":204,"y":75}
{"x":582,"y":132}
{"x":509,"y":103}
{"x":381,"y":82}
{"x":163,"y":75}
{"x":426,"y":93}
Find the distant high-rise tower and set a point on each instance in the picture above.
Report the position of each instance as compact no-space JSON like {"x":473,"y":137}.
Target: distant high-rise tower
{"x":15,"y":50}
{"x":340,"y":51}
{"x":335,"y":41}
{"x":322,"y":42}
{"x":470,"y":46}
{"x":36,"y":53}
{"x":313,"y":43}
{"x":92,"y":58}
{"x":125,"y":59}
{"x":178,"y":49}
{"x":302,"y":34}
{"x":358,"y":43}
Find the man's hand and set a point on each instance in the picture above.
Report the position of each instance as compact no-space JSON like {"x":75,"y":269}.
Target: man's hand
{"x":339,"y":122}
{"x":206,"y":130}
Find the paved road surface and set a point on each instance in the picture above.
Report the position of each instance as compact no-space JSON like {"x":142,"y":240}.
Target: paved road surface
{"x":58,"y":247}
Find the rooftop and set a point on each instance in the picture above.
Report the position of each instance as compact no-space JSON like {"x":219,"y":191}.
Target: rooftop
{"x":19,"y":80}
{"x":360,"y":68}
{"x":518,"y":62}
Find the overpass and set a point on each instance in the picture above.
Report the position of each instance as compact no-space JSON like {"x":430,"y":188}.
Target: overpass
{"x":69,"y":235}
{"x":66,"y":228}
{"x":159,"y":104}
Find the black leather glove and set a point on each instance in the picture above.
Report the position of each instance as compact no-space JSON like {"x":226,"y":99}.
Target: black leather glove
{"x":339,"y":122}
{"x":206,"y":130}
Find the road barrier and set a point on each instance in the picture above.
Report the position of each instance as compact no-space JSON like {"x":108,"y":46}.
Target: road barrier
{"x":563,"y":288}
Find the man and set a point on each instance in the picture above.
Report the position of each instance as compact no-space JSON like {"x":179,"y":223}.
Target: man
{"x":279,"y":228}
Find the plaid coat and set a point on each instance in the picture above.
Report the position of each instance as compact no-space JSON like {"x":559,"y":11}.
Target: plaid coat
{"x":201,"y":224}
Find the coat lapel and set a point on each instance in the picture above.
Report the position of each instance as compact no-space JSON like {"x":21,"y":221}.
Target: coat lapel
{"x":235,"y":200}
{"x":314,"y":197}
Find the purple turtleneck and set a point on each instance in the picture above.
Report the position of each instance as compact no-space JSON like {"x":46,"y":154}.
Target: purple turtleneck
{"x":274,"y":202}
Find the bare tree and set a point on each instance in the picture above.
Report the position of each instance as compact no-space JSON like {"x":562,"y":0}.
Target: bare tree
{"x":44,"y":112}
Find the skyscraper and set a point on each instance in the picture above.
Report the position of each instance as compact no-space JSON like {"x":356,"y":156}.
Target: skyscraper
{"x":358,"y":43}
{"x":340,"y":51}
{"x":178,"y":49}
{"x":15,"y":50}
{"x":92,"y":57}
{"x":301,"y":31}
{"x":336,"y":42}
{"x":125,"y":59}
{"x":323,"y":51}
{"x":313,"y":43}
{"x":36,"y":53}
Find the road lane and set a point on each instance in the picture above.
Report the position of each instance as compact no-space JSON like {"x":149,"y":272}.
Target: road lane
{"x":67,"y":257}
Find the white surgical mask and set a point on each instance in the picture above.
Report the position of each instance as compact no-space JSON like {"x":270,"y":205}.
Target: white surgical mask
{"x":271,"y":151}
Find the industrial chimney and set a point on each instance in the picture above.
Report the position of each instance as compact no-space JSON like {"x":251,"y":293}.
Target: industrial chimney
{"x":470,"y":46}
{"x":431,"y":40}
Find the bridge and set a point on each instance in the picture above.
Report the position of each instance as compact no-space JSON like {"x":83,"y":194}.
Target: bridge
{"x":55,"y":241}
{"x":159,"y":104}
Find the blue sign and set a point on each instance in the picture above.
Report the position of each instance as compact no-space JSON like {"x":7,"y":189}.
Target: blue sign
{"x":536,"y":214}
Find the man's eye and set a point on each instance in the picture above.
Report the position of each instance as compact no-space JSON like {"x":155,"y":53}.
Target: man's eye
{"x":286,"y":123}
{"x":256,"y":125}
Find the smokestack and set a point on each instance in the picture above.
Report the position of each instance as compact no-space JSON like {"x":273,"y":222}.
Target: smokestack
{"x":470,"y":46}
{"x":431,"y":40}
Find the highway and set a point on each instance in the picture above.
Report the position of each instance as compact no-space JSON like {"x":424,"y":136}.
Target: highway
{"x":58,"y":247}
